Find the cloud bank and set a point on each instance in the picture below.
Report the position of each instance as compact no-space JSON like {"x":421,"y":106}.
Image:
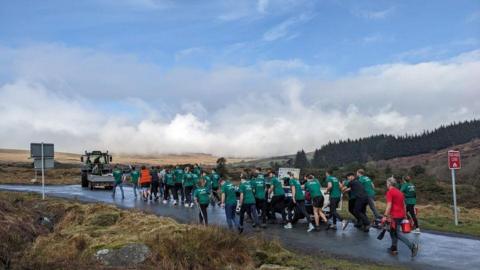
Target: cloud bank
{"x":84,"y":99}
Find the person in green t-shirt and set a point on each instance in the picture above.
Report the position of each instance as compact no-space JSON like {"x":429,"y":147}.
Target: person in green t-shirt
{"x":334,"y":187}
{"x":188,"y":184}
{"x":215,"y":180}
{"x":277,"y":204}
{"x":247,"y":203}
{"x":258,"y":184}
{"x":408,"y":190}
{"x":118,"y":181}
{"x":134,"y":176}
{"x":178,"y":175}
{"x":370,"y":189}
{"x":169,"y":181}
{"x":197,"y":170}
{"x":316,"y":196}
{"x":229,"y":202}
{"x":202,"y":198}
{"x":298,"y":203}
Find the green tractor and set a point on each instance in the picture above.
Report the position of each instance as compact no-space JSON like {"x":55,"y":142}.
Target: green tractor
{"x":97,"y":170}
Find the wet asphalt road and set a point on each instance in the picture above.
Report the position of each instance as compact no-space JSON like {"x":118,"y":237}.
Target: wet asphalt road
{"x":436,"y":251}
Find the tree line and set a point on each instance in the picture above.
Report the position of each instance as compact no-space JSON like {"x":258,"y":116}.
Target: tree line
{"x":378,"y":147}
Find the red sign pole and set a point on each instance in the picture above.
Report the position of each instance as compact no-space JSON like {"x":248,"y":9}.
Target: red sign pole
{"x":454,"y":163}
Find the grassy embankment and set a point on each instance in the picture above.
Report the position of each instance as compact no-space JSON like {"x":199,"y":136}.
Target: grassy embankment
{"x":437,"y":217}
{"x":80,"y":230}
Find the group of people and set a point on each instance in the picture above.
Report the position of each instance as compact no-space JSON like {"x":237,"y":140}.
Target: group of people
{"x":261,"y":197}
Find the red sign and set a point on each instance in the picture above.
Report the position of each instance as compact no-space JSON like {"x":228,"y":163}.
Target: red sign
{"x":454,"y":161}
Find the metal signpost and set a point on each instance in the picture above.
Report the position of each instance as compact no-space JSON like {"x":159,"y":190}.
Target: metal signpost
{"x":454,"y":163}
{"x":42,"y":154}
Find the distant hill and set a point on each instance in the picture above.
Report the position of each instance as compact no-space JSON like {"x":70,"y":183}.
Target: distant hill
{"x":380,"y":147}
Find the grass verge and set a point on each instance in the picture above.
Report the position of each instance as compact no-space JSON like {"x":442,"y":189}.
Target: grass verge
{"x":80,"y":230}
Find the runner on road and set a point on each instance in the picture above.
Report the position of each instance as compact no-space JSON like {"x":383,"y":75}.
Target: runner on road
{"x":298,"y":202}
{"x":134,"y":176}
{"x":334,"y":187}
{"x":145,"y":181}
{"x":370,"y":189}
{"x":277,"y":204}
{"x":258,"y":185}
{"x":202,"y":199}
{"x":119,"y":178}
{"x":229,"y":202}
{"x":395,"y":213}
{"x":313,"y":186}
{"x":247,"y":203}
{"x":351,"y":197}
{"x":178,"y":175}
{"x":169,"y":185}
{"x":408,"y":190}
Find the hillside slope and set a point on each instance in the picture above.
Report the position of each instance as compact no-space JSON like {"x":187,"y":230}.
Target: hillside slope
{"x":435,"y":163}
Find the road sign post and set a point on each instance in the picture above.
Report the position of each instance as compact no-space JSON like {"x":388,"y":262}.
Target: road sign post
{"x":454,"y":163}
{"x":42,"y":154}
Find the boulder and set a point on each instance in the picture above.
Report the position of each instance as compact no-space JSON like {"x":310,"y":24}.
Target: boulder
{"x":126,"y":256}
{"x":275,"y":267}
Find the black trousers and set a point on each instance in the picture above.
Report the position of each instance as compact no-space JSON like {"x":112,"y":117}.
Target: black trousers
{"x":188,"y":194}
{"x":178,"y":188}
{"x":351,"y":207}
{"x":215,"y":194}
{"x":277,"y":205}
{"x":154,"y":188}
{"x":300,"y":209}
{"x":166,"y":192}
{"x":203,"y":214}
{"x":411,"y":213}
{"x":333,"y":210}
{"x":360,"y":210}
{"x":262,"y":207}
{"x":251,"y":210}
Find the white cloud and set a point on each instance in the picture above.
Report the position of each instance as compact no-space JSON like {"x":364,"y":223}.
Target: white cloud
{"x":373,"y":14}
{"x":282,"y":29}
{"x":262,"y":6}
{"x":82,"y":99}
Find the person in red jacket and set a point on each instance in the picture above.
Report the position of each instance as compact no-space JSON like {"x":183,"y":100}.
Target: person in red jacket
{"x":395,"y":213}
{"x":145,"y":181}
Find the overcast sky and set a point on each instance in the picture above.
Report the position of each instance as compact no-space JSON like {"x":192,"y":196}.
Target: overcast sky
{"x":233,"y":78}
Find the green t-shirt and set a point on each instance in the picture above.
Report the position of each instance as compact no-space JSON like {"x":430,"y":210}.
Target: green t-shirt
{"x":350,"y":193}
{"x":197,"y":171}
{"x":335,"y":190}
{"x":117,"y":175}
{"x":179,"y":173}
{"x":259,"y":188}
{"x":208,"y":181}
{"x":368,"y":185}
{"x":409,"y":192}
{"x":277,"y":187}
{"x":202,"y":195}
{"x":298,"y":189}
{"x":230,"y":191}
{"x":313,"y":186}
{"x":247,"y":191}
{"x":134,"y":175}
{"x":169,"y":179}
{"x":195,"y":179}
{"x":215,"y":179}
{"x":188,"y":180}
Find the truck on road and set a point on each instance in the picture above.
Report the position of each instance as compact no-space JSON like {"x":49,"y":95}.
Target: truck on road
{"x":97,"y":170}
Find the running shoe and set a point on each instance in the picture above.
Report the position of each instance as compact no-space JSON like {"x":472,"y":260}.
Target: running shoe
{"x":186,"y":205}
{"x":392,"y":251}
{"x":345,"y":223}
{"x":417,"y":231}
{"x":164,"y":201}
{"x":310,"y":227}
{"x":288,"y":226}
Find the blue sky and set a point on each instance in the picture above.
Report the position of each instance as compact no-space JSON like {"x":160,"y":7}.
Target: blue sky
{"x":342,"y":36}
{"x":210,"y":69}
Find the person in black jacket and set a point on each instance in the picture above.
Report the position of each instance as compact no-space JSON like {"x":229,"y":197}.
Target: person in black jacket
{"x":361,"y":201}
